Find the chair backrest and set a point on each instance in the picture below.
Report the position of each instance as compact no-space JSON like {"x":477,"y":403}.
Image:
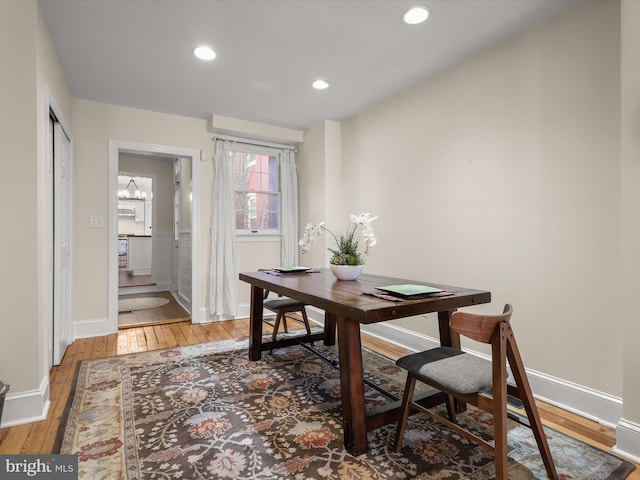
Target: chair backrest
{"x":479,"y":327}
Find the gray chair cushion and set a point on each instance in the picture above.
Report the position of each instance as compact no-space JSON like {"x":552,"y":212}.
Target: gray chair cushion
{"x":451,"y":368}
{"x":284,"y":302}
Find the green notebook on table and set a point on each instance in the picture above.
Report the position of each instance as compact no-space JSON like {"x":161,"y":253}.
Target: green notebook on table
{"x":410,"y":290}
{"x":292,"y":269}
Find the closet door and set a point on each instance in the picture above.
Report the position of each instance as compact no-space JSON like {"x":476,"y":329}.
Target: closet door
{"x":61,"y":243}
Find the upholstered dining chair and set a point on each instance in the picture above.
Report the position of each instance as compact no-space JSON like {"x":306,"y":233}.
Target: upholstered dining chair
{"x":477,"y":381}
{"x":282,"y":307}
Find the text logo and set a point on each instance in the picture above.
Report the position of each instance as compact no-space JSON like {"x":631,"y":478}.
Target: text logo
{"x":50,"y":467}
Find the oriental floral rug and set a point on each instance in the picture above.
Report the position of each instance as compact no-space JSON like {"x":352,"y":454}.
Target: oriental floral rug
{"x":206,"y":412}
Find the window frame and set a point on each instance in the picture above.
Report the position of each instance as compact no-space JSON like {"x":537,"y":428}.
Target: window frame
{"x":261,"y":235}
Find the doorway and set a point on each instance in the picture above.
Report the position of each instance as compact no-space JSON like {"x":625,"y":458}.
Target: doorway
{"x":147,"y":212}
{"x":135,"y":227}
{"x":160,"y":243}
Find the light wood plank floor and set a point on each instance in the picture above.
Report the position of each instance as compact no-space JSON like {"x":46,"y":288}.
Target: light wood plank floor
{"x":169,"y":313}
{"x":39,"y":437}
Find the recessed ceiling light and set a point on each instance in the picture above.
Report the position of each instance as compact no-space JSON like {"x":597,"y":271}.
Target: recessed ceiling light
{"x":416,"y":15}
{"x":204,"y":53}
{"x":320,"y":85}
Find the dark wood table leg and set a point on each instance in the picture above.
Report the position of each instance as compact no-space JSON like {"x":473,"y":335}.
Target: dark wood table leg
{"x":448,"y":338}
{"x":255,"y":324}
{"x":329,"y":328}
{"x":354,"y":418}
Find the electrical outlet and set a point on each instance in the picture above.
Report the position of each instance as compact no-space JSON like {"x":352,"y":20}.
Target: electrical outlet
{"x":96,"y":221}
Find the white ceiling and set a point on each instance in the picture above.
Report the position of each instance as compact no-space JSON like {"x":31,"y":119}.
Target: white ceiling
{"x":138,"y":53}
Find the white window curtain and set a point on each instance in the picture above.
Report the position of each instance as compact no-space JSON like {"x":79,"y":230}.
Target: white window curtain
{"x":289,"y":208}
{"x":223,"y":275}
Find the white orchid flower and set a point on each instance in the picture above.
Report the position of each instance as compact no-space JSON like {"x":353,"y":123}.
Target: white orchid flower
{"x":362,"y":219}
{"x":311,"y":231}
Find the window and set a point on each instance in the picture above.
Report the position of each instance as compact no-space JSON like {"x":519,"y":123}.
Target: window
{"x":256,"y":188}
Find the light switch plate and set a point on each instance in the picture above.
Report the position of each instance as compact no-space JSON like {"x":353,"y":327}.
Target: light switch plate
{"x":96,"y":221}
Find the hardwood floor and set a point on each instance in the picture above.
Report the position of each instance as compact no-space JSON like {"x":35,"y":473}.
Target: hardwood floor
{"x":170,"y":313}
{"x":40,"y":437}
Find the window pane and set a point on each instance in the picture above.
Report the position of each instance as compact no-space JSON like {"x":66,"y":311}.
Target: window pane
{"x":256,"y":211}
{"x":257,"y":189}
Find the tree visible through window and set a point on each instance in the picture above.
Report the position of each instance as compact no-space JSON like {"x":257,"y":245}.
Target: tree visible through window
{"x":257,"y":190}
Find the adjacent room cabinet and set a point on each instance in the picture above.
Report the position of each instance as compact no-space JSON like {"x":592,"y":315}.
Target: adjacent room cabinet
{"x":134,"y":217}
{"x":140,"y":254}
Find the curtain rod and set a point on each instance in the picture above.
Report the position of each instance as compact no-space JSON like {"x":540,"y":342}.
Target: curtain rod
{"x":254,"y":142}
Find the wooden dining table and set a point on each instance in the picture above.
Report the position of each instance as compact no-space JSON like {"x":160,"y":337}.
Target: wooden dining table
{"x":348,"y":304}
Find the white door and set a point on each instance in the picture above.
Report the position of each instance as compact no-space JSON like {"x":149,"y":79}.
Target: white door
{"x":61,"y":243}
{"x":182,"y":231}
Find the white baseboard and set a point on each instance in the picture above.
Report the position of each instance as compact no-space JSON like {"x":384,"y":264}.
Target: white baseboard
{"x":92,"y":328}
{"x":206,"y":317}
{"x":244,"y":311}
{"x":203,"y":316}
{"x":27,"y":406}
{"x":163,"y":286}
{"x":183,"y":302}
{"x":597,"y":406}
{"x":628,"y":440}
{"x":141,"y":271}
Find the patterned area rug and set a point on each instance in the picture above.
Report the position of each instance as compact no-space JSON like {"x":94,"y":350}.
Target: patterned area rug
{"x":206,"y":412}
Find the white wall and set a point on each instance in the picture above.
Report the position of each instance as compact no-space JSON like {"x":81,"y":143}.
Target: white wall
{"x":30,"y":73}
{"x":319,"y":185}
{"x":628,"y":431}
{"x":94,"y":125}
{"x":251,"y":257}
{"x":18,"y":97}
{"x":502,"y":173}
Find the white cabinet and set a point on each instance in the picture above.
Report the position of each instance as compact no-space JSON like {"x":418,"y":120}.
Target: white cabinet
{"x":126,"y":208}
{"x":139,"y":212}
{"x":140,"y":255}
{"x":134,"y":217}
{"x":147,"y":218}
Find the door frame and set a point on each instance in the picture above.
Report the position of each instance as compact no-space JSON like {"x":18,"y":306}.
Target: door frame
{"x":115,"y":148}
{"x":50,"y":208}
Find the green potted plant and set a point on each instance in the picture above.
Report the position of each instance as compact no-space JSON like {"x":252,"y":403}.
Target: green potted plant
{"x":347,"y":257}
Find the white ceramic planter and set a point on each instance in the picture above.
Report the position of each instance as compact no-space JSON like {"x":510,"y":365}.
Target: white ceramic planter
{"x":346,"y":272}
